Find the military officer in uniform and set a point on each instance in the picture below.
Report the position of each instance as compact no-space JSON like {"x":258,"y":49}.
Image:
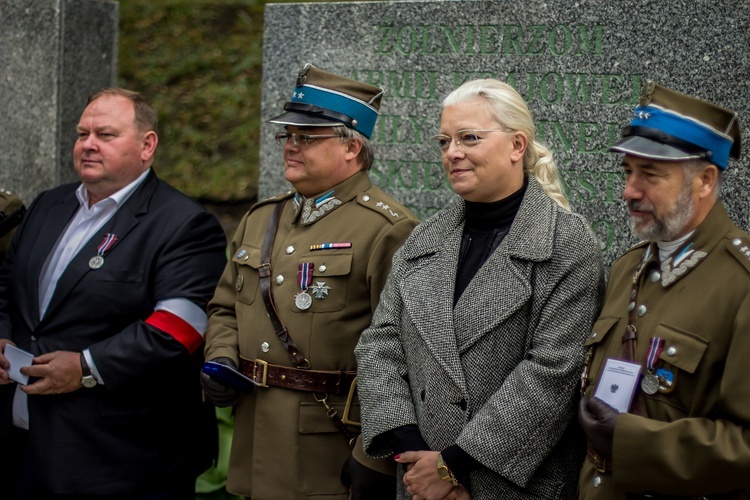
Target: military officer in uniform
{"x":677,"y":311}
{"x":304,"y":278}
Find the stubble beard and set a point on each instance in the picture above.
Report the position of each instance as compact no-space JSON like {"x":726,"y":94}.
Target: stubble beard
{"x":668,"y":226}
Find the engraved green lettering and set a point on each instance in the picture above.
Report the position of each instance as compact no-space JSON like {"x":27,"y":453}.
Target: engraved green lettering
{"x":608,"y":90}
{"x":512,"y":33}
{"x":406,"y":40}
{"x":567,"y":39}
{"x":536,"y":46}
{"x":587,"y":131}
{"x":385,"y":46}
{"x":585,"y":41}
{"x":449,"y":38}
{"x":605,"y":232}
{"x":551,"y":88}
{"x":579,"y":87}
{"x":487,"y":43}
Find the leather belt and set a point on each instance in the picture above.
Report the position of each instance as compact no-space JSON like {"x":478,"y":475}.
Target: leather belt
{"x":327,"y":382}
{"x":601,"y":464}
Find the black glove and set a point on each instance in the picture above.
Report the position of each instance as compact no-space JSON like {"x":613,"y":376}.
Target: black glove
{"x":598,"y":420}
{"x":365,"y":483}
{"x":219,"y":394}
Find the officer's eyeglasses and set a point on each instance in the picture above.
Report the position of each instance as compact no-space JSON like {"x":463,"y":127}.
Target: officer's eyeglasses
{"x":466,"y":139}
{"x":300,"y":139}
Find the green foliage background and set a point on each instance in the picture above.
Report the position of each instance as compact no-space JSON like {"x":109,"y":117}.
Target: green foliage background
{"x":200,"y":63}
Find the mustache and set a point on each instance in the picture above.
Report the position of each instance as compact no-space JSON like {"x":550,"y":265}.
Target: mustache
{"x":639,"y":206}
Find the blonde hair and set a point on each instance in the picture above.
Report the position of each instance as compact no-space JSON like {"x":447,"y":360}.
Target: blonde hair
{"x":509,"y":109}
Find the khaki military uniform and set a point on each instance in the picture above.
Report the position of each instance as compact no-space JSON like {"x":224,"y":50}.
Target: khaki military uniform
{"x":696,"y":439}
{"x":284,"y":445}
{"x":9,"y":205}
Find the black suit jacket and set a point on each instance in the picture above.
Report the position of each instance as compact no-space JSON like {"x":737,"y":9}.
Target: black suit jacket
{"x":148,"y":422}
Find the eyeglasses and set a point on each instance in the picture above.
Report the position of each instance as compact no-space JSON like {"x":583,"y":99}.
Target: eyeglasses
{"x":299,"y":139}
{"x":466,"y":139}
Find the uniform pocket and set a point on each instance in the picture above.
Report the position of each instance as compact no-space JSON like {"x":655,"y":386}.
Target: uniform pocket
{"x":330,"y":281}
{"x":601,"y":334}
{"x":323,"y":450}
{"x":247,"y":260}
{"x":679,"y":369}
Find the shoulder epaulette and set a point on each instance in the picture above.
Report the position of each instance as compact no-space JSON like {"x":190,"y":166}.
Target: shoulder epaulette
{"x":739,"y":246}
{"x":273,"y":199}
{"x":376,"y":200}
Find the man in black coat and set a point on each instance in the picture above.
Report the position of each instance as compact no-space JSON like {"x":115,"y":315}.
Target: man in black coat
{"x":106,"y":283}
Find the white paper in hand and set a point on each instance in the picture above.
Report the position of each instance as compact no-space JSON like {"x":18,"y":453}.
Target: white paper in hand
{"x":17,"y":359}
{"x":618,"y":383}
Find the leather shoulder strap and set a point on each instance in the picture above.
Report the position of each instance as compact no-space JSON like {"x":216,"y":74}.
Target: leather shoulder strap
{"x":298,"y":359}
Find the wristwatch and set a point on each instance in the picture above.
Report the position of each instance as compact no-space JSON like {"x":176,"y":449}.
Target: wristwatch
{"x":444,"y":472}
{"x":88,"y":380}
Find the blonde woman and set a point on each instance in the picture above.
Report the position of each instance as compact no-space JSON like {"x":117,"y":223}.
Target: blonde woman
{"x":468,"y":373}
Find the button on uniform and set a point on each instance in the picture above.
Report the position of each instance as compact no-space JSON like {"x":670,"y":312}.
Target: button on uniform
{"x":279,"y":279}
{"x":671,"y":351}
{"x":289,"y":250}
{"x":641,"y":310}
{"x":265,"y":347}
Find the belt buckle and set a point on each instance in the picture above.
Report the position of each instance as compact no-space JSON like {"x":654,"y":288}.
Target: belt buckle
{"x":600,"y":464}
{"x":264,"y":364}
{"x":348,"y":406}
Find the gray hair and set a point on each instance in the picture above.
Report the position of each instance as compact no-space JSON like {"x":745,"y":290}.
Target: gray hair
{"x":367,"y":153}
{"x":509,"y":109}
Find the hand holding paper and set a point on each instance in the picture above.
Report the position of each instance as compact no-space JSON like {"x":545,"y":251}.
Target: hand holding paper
{"x":18,"y":358}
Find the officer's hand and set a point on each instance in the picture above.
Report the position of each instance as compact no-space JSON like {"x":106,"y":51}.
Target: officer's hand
{"x":598,"y":420}
{"x":219,"y":394}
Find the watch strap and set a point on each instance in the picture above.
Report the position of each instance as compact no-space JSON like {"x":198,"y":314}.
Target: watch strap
{"x":444,"y":471}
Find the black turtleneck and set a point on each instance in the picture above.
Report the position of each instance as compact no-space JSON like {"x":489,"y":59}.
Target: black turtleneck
{"x":486,"y":226}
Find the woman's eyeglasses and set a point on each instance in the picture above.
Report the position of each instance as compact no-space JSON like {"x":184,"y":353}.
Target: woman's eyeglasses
{"x":466,"y":139}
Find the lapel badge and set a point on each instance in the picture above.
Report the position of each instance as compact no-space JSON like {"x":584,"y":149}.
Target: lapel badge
{"x":240,"y":281}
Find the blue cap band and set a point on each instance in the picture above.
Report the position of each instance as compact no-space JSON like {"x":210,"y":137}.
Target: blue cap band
{"x":686,"y":129}
{"x":363,"y":113}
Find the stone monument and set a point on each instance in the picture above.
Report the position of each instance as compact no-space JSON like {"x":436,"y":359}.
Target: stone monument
{"x":578,"y":63}
{"x":53,"y":54}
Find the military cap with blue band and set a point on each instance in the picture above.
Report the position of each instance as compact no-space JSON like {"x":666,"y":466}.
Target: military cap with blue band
{"x":670,"y":126}
{"x":323,"y":99}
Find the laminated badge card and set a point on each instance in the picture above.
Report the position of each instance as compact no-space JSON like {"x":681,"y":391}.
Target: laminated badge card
{"x":578,"y":64}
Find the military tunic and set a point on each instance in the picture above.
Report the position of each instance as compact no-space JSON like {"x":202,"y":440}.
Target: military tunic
{"x":284,"y":445}
{"x":695,"y":441}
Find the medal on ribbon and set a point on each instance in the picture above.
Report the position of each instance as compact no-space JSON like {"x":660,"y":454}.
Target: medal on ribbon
{"x":97,"y":261}
{"x":303,"y":300}
{"x":650,"y":382}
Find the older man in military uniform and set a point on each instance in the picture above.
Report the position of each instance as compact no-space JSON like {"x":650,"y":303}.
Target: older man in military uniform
{"x":674,"y":333}
{"x":305,"y":276}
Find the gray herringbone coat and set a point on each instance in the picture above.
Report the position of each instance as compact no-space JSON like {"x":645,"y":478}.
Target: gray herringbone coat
{"x":498,"y":373}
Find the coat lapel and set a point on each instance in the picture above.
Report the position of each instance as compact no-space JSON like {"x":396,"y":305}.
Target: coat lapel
{"x":428,"y":290}
{"x":123,"y":221}
{"x":54,"y":224}
{"x":503,"y":284}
